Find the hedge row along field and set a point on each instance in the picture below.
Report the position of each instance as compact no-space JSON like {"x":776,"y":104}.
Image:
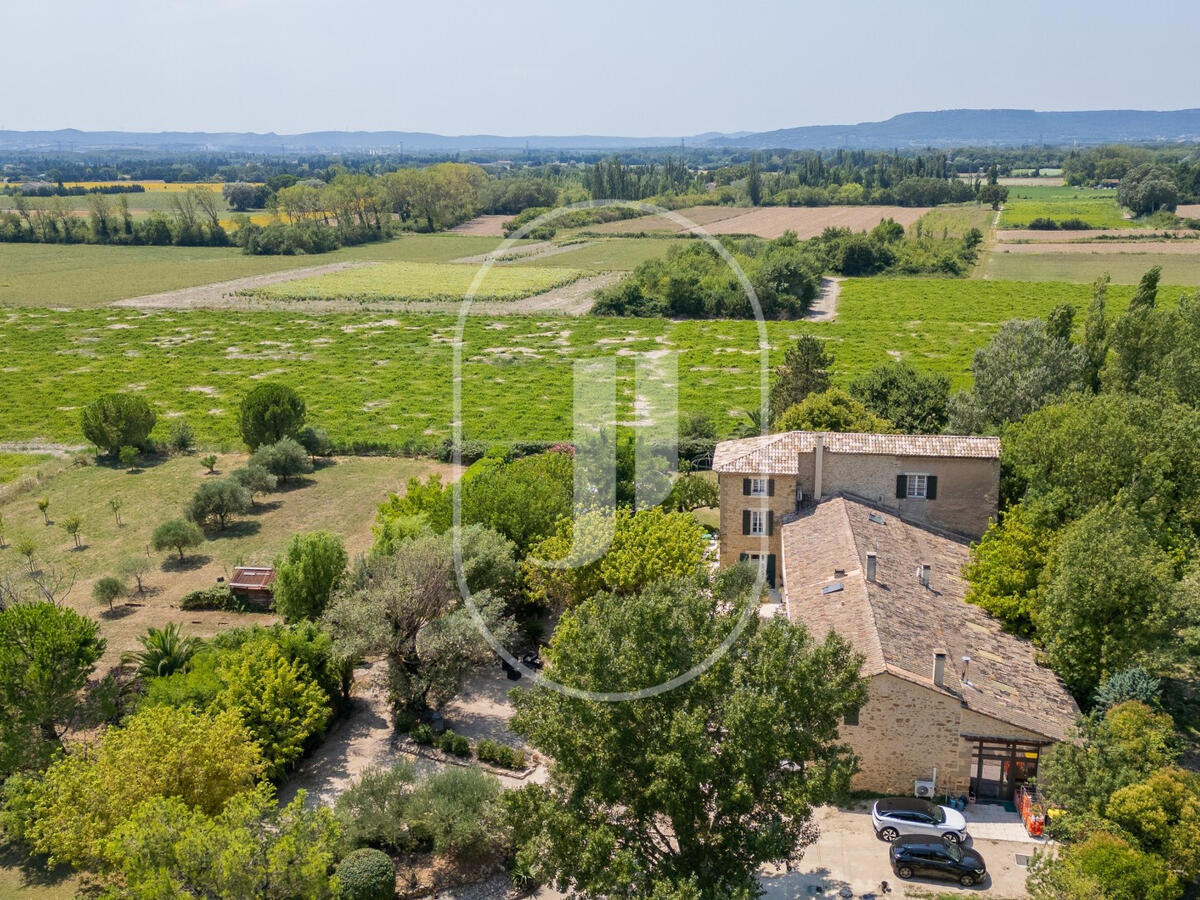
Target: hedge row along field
{"x":420,"y":282}
{"x":379,"y":382}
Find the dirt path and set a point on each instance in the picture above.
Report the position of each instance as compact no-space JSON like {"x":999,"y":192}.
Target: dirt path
{"x":824,"y":308}
{"x":62,"y":451}
{"x":485,"y":226}
{"x":224,"y":293}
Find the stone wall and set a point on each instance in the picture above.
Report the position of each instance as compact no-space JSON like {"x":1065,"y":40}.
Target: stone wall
{"x":906,"y":729}
{"x":733,"y":542}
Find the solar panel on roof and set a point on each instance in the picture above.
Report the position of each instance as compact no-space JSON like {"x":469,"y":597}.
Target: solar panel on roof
{"x":876,"y":518}
{"x":832,"y":588}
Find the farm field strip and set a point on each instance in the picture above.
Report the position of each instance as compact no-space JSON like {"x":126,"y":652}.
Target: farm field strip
{"x":94,"y":275}
{"x":419,"y":282}
{"x":1084,"y":267}
{"x":770,"y":221}
{"x":1098,"y":236}
{"x":1097,"y":207}
{"x":385,"y":379}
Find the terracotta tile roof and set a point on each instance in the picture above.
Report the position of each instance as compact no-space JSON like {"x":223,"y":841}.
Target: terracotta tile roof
{"x":897,"y":623}
{"x":778,"y":454}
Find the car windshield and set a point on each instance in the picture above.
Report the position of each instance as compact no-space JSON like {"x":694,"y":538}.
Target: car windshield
{"x":953,"y":851}
{"x":939,"y":814}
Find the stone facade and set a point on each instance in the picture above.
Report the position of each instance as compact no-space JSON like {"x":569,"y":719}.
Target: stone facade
{"x":906,"y":729}
{"x":780,"y":503}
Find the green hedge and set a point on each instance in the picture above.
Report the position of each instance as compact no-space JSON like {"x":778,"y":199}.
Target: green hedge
{"x":500,"y":754}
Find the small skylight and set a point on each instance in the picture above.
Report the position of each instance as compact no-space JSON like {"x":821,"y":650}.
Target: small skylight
{"x":832,"y":588}
{"x":876,"y":518}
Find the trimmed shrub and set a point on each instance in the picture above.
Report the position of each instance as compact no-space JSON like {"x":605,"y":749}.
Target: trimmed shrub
{"x":422,"y":734}
{"x":490,"y":751}
{"x":284,"y":459}
{"x":455,"y":744}
{"x":367,"y":874}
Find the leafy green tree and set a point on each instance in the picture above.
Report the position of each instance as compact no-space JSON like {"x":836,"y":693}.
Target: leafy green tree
{"x":284,"y":459}
{"x":128,"y":457}
{"x":407,"y":607}
{"x":203,"y":759}
{"x":107,"y":590}
{"x":217,"y":501}
{"x":183,"y":438}
{"x":115,"y":504}
{"x":1163,"y":815}
{"x":754,"y":183}
{"x":1084,"y":453}
{"x":209,"y":462}
{"x":1148,"y":188}
{"x":1101,"y":867}
{"x":250,"y":847}
{"x":371,"y":811}
{"x":1096,"y":333}
{"x":1110,"y":600}
{"x":165,"y":651}
{"x":913,"y":402}
{"x":277,"y":699}
{"x":113,"y":421}
{"x":308,"y":574}
{"x":269,"y":413}
{"x":72,"y":525}
{"x":621,"y":552}
{"x":457,"y":812}
{"x":177,"y":535}
{"x":316,"y":441}
{"x":831,"y":410}
{"x":47,"y":652}
{"x":1125,"y":746}
{"x":1023,"y":368}
{"x":805,"y":371}
{"x":522,"y":499}
{"x":1004,"y":572}
{"x":26,"y":547}
{"x":695,"y":788}
{"x":43,"y":505}
{"x":254,"y":479}
{"x":135,"y":567}
{"x":424,"y":507}
{"x":692,"y":491}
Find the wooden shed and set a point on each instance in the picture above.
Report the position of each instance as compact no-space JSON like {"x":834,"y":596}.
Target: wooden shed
{"x":253,"y":582}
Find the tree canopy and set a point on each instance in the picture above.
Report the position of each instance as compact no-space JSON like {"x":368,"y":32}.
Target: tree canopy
{"x":269,"y":413}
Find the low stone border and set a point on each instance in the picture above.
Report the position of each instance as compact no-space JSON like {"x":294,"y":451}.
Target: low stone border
{"x":410,"y":747}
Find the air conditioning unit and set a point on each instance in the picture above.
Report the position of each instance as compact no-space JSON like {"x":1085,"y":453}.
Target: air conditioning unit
{"x":923,"y":789}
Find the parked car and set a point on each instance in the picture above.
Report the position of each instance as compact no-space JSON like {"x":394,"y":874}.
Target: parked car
{"x":895,"y":816}
{"x":925,"y":855}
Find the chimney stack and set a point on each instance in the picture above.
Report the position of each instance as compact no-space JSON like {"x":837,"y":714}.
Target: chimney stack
{"x":872,"y":562}
{"x":939,"y":667}
{"x":923,"y":575}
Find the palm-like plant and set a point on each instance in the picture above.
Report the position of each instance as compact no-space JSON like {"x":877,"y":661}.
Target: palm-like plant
{"x":164,"y":652}
{"x":752,"y":424}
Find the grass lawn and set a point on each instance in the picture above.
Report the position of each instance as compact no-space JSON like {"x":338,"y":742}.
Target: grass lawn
{"x":420,"y":281}
{"x":340,"y":497}
{"x":1085,"y":267}
{"x":387,"y":379}
{"x":13,"y":464}
{"x":954,"y":220}
{"x":1099,"y":208}
{"x":28,"y":880}
{"x":93,"y":275}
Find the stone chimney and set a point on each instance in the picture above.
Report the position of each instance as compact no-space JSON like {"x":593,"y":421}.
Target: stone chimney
{"x":939,"y":668}
{"x":923,"y":575}
{"x":872,"y":564}
{"x":818,"y":461}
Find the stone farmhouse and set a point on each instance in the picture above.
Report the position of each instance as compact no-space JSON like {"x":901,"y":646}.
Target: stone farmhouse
{"x":867,"y":535}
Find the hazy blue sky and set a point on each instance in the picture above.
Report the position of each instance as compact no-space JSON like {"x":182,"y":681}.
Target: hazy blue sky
{"x":618,"y":67}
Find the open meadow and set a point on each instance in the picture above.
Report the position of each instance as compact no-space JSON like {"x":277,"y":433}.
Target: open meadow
{"x":338,"y":497}
{"x":382,"y":380}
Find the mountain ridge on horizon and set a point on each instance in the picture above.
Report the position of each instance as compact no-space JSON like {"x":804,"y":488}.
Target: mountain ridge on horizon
{"x":910,"y":130}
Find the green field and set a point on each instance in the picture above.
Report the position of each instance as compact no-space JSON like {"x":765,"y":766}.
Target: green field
{"x":420,"y":282}
{"x":615,"y":254}
{"x":13,"y":464}
{"x":954,"y":221}
{"x":92,"y":275}
{"x":1099,"y":208}
{"x":387,"y":380}
{"x":1085,"y":267}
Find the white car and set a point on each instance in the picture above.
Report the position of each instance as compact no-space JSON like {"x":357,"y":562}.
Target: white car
{"x":895,"y":816}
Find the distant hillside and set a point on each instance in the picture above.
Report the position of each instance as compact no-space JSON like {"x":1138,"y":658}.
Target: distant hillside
{"x":944,"y":128}
{"x":968,"y":127}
